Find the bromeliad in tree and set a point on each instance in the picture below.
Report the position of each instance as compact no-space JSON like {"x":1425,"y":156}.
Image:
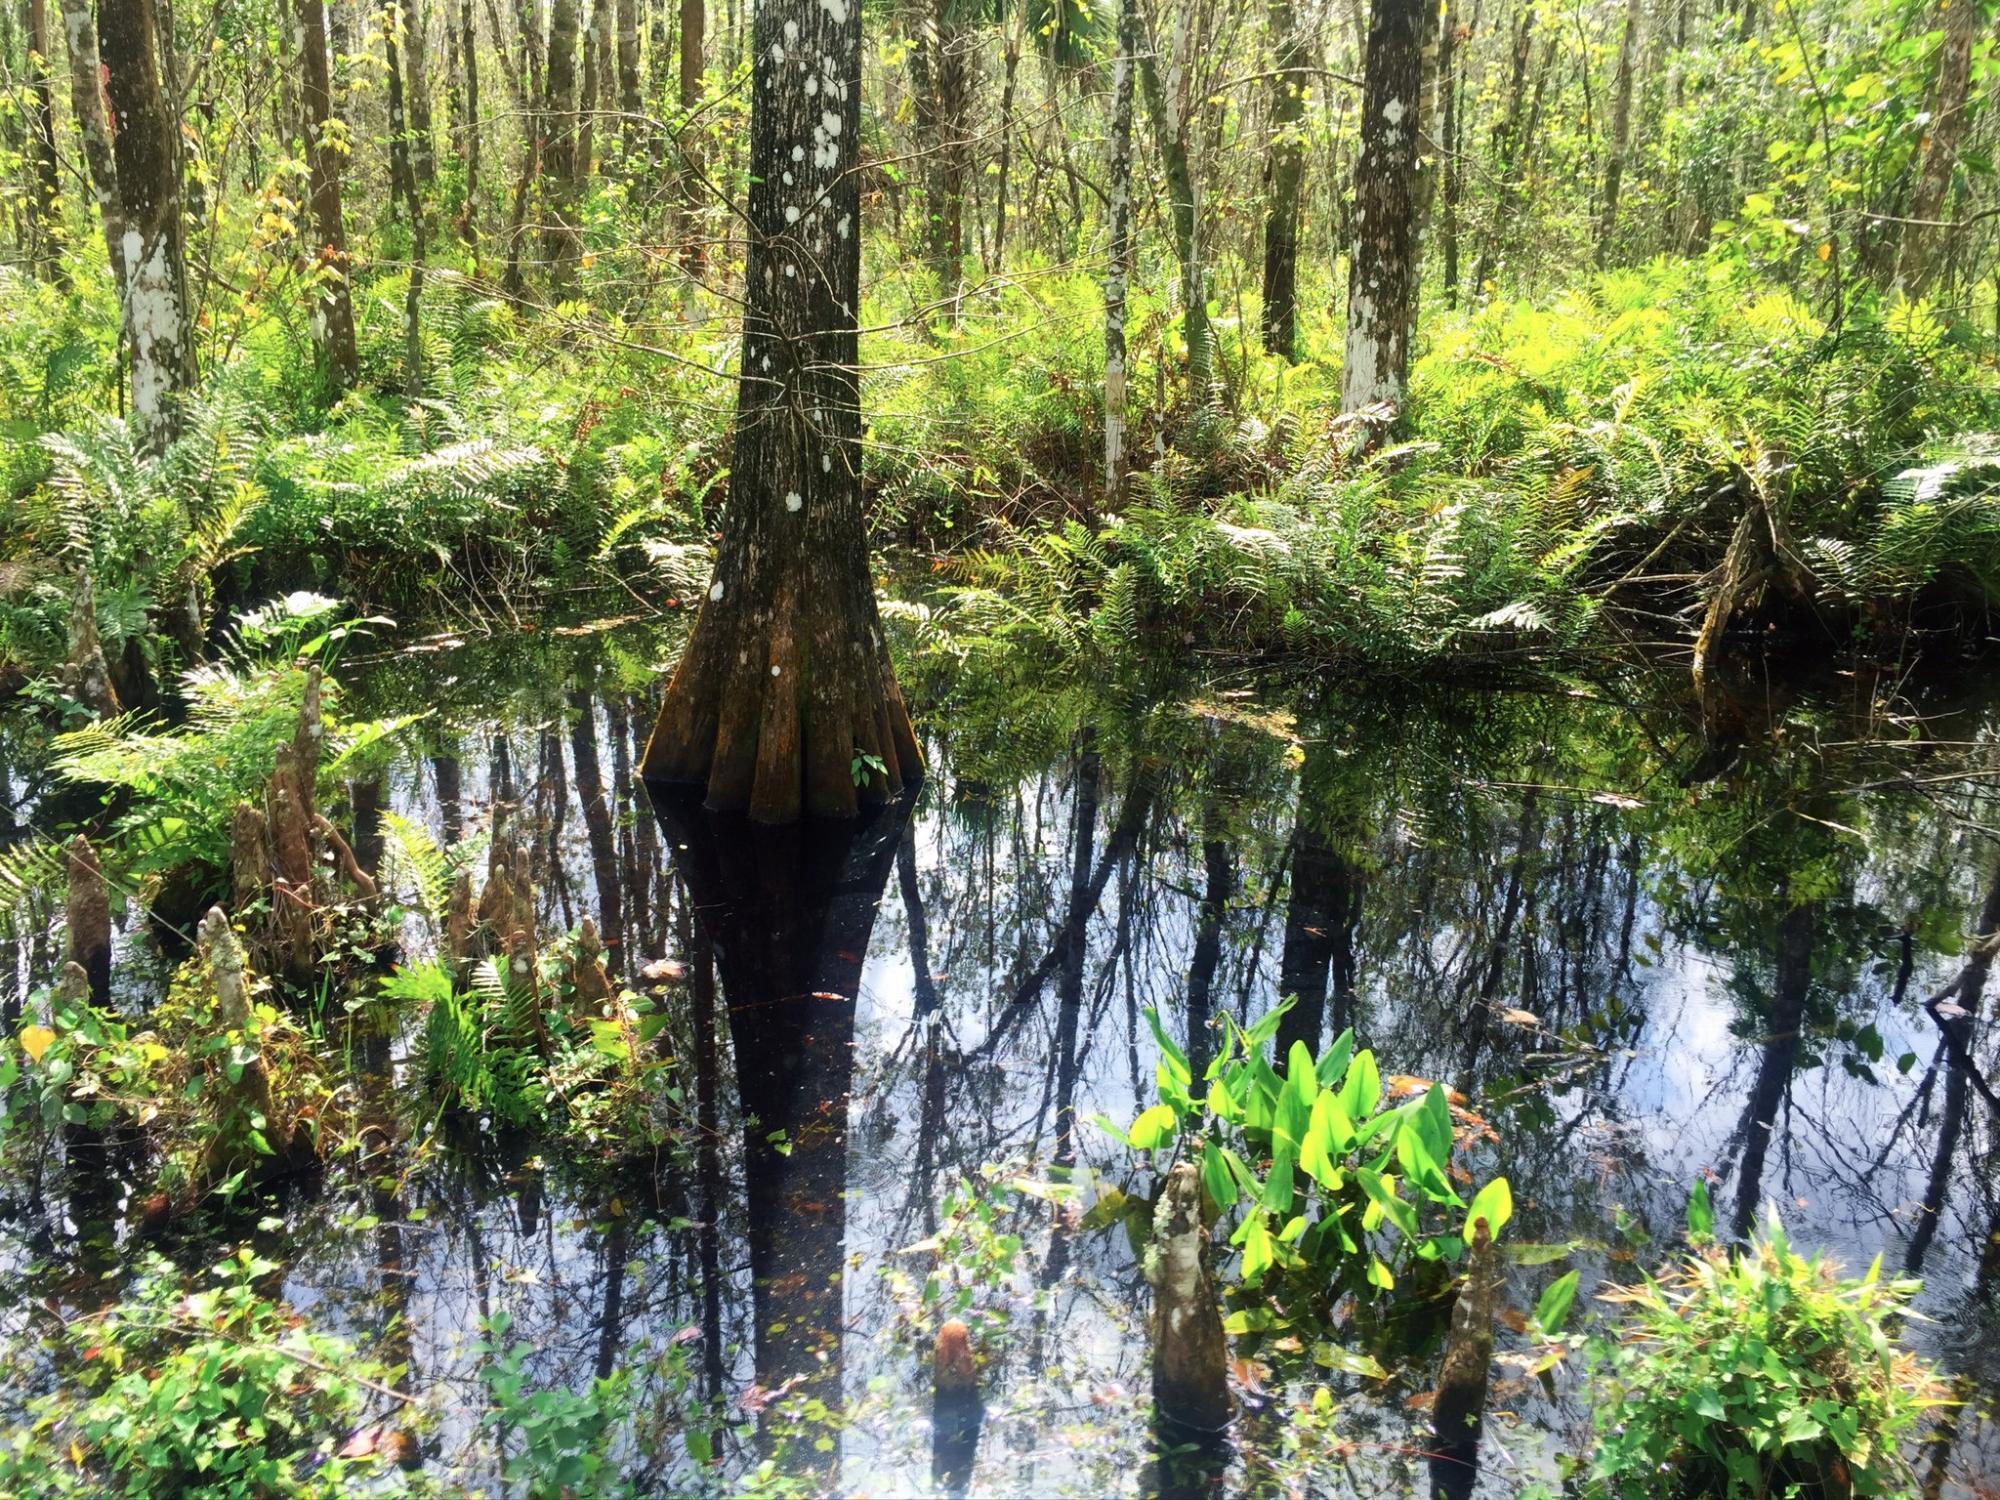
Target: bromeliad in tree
{"x":784,"y":703}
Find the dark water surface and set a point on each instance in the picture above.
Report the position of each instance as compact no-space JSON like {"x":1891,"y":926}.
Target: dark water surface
{"x":1641,"y":958}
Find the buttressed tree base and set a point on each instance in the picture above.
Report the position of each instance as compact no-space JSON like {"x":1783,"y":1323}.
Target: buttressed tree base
{"x":784,"y":703}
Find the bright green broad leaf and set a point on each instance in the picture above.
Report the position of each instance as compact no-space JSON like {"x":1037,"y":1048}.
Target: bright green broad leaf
{"x":1552,"y":1312}
{"x":1362,"y":1089}
{"x":1154,"y":1128}
{"x":1495,"y":1204}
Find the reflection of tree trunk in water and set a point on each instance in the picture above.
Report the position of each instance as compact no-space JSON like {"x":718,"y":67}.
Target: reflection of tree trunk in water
{"x":1967,"y":990}
{"x":552,"y":811}
{"x":708,"y":1156}
{"x":1781,"y":1047}
{"x":1069,"y":975}
{"x":449,"y":777}
{"x":1218,"y":857}
{"x":611,"y":1323}
{"x":364,"y":800}
{"x":1320,"y":919}
{"x":631,"y":879}
{"x":503,"y":770}
{"x":923,"y":1194}
{"x":789,"y":909}
{"x":597,"y":823}
{"x":377,"y":1072}
{"x":1480,"y":1023}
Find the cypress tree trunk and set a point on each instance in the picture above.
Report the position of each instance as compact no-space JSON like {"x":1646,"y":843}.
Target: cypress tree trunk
{"x":1507,"y":149}
{"x":528,"y":102}
{"x":1010,"y":61}
{"x":402,"y":176}
{"x":93,"y":118}
{"x":694,"y":25}
{"x":1450,"y":135}
{"x":468,"y":141}
{"x":1917,"y":265}
{"x":561,"y":242}
{"x":1621,"y":134}
{"x":587,"y":97}
{"x":784,"y":698}
{"x":1115,"y":275}
{"x":423,"y":144}
{"x":1285,"y":170}
{"x":1383,"y":271}
{"x":157,"y":338}
{"x":629,"y":103}
{"x":333,"y":307}
{"x":1170,"y":125}
{"x":44,"y":201}
{"x":942,"y":55}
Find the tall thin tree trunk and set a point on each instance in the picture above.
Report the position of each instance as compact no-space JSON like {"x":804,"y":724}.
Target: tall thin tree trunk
{"x":93,"y":118}
{"x":1917,"y":265}
{"x":45,"y":201}
{"x":1384,"y":270}
{"x":694,"y":26}
{"x":416,"y":50}
{"x":1129,"y":42}
{"x":1621,"y":134}
{"x":1284,"y":172}
{"x":630,"y":105}
{"x":592,"y":82}
{"x":1168,"y":111}
{"x":562,"y":244}
{"x":402,"y":176}
{"x":784,"y":702}
{"x":1507,"y":150}
{"x":1450,"y":61}
{"x":1010,"y":62}
{"x":469,"y":137}
{"x":158,"y":340}
{"x":333,"y":307}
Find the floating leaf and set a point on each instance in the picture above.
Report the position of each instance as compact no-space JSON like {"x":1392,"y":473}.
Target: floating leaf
{"x":1351,"y":1361}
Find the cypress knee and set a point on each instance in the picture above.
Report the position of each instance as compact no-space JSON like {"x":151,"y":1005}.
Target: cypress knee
{"x":1190,"y":1351}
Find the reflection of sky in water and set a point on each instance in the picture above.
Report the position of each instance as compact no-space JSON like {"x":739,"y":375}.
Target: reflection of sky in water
{"x":933,"y":1096}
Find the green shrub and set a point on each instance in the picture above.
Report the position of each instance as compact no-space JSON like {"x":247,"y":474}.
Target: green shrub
{"x":210,"y":1394}
{"x":1358,"y":1192}
{"x":1757,"y":1373}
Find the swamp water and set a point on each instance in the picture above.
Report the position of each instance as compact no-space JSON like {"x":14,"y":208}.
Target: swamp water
{"x":890,"y":1043}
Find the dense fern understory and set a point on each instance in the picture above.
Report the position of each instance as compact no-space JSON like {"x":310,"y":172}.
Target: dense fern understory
{"x":1667,"y":459}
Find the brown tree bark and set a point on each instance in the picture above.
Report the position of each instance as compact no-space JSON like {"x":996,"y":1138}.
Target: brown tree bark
{"x":694,"y":26}
{"x":1384,"y":268}
{"x":158,"y":342}
{"x":1284,"y":172}
{"x":333,"y":305}
{"x":562,"y":243}
{"x":784,"y":702}
{"x":44,"y":201}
